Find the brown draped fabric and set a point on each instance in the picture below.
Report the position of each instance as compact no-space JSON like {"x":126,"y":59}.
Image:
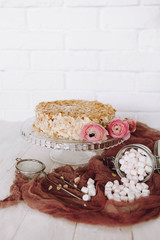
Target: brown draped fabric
{"x":99,"y":210}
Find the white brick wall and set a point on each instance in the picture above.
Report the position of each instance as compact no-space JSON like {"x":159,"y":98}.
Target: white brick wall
{"x":31,"y":40}
{"x":106,"y":40}
{"x":130,"y":61}
{"x":12,"y":18}
{"x":107,"y":50}
{"x":138,"y":17}
{"x":64,"y":60}
{"x":63,"y":18}
{"x":11,"y":59}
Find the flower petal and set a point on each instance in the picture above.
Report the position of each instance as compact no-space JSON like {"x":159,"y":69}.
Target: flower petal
{"x":118,"y":128}
{"x":94,"y":133}
{"x":132,"y":124}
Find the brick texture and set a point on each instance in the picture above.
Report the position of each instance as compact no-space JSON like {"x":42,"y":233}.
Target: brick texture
{"x":107,"y":50}
{"x":13,"y":80}
{"x":150,"y":2}
{"x":108,"y":40}
{"x":53,"y":60}
{"x":31,"y":3}
{"x":14,"y":60}
{"x":86,"y":3}
{"x":106,"y":81}
{"x":63,"y":18}
{"x":31,"y":40}
{"x":12,"y":18}
{"x":131,"y":61}
{"x":149,"y":40}
{"x":131,"y":17}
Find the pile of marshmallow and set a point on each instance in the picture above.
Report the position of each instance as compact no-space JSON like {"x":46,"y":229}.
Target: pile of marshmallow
{"x":136,"y":164}
{"x":128,"y":191}
{"x":90,"y":190}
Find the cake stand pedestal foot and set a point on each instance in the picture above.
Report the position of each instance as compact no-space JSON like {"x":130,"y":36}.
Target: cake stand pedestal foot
{"x":71,"y":157}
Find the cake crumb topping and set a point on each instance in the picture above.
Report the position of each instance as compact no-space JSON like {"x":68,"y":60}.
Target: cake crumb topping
{"x":77,"y":108}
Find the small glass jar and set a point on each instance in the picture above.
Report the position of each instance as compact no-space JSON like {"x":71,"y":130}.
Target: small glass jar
{"x":147,"y":153}
{"x":114,"y":163}
{"x":30,"y":167}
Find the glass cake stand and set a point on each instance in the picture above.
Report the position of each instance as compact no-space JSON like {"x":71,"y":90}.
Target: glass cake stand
{"x":66,"y":151}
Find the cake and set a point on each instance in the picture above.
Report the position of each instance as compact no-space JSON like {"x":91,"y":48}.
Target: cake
{"x":66,"y":118}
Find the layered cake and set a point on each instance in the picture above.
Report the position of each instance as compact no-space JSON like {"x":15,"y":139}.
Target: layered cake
{"x":66,"y":118}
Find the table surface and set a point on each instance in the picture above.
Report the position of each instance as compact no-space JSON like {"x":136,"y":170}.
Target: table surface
{"x":21,"y":222}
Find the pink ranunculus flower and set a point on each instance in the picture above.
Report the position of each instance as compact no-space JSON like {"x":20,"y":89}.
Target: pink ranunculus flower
{"x":94,"y":132}
{"x":132,"y":124}
{"x":119,"y":129}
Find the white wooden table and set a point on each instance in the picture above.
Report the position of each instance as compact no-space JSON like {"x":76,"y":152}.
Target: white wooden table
{"x":21,"y":222}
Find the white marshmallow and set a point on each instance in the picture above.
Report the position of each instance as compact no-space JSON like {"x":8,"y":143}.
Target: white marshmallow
{"x":123,"y":180}
{"x":130,"y":165}
{"x":133,"y":150}
{"x":86,"y":197}
{"x":136,"y":191}
{"x":131,"y":155}
{"x":122,"y":168}
{"x":116,"y":194}
{"x":117,"y":199}
{"x":117,"y":190}
{"x":144,"y":174}
{"x":134,"y":160}
{"x":142,"y":159}
{"x":90,"y":181}
{"x":129,"y":177}
{"x":84,"y":189}
{"x":116,"y":182}
{"x":121,"y":187}
{"x":124,"y":198}
{"x":141,"y":178}
{"x":109,"y":184}
{"x":108,"y":189}
{"x":127,"y":171}
{"x":138,"y":195}
{"x":126,"y":190}
{"x":107,"y":192}
{"x":140,"y":171}
{"x":132,"y":182}
{"x":126,"y":158}
{"x":139,"y":186}
{"x":92,"y":192}
{"x":138,"y":154}
{"x":122,"y":193}
{"x":110,"y":196}
{"x":144,"y":185}
{"x":133,"y":172}
{"x":141,"y":164}
{"x":148,"y":169}
{"x":135,"y":179}
{"x":121,"y":161}
{"x":114,"y":187}
{"x":131,"y":197}
{"x":148,"y":162}
{"x":146,"y":191}
{"x":132,"y":187}
{"x":141,"y":151}
{"x":145,"y":194}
